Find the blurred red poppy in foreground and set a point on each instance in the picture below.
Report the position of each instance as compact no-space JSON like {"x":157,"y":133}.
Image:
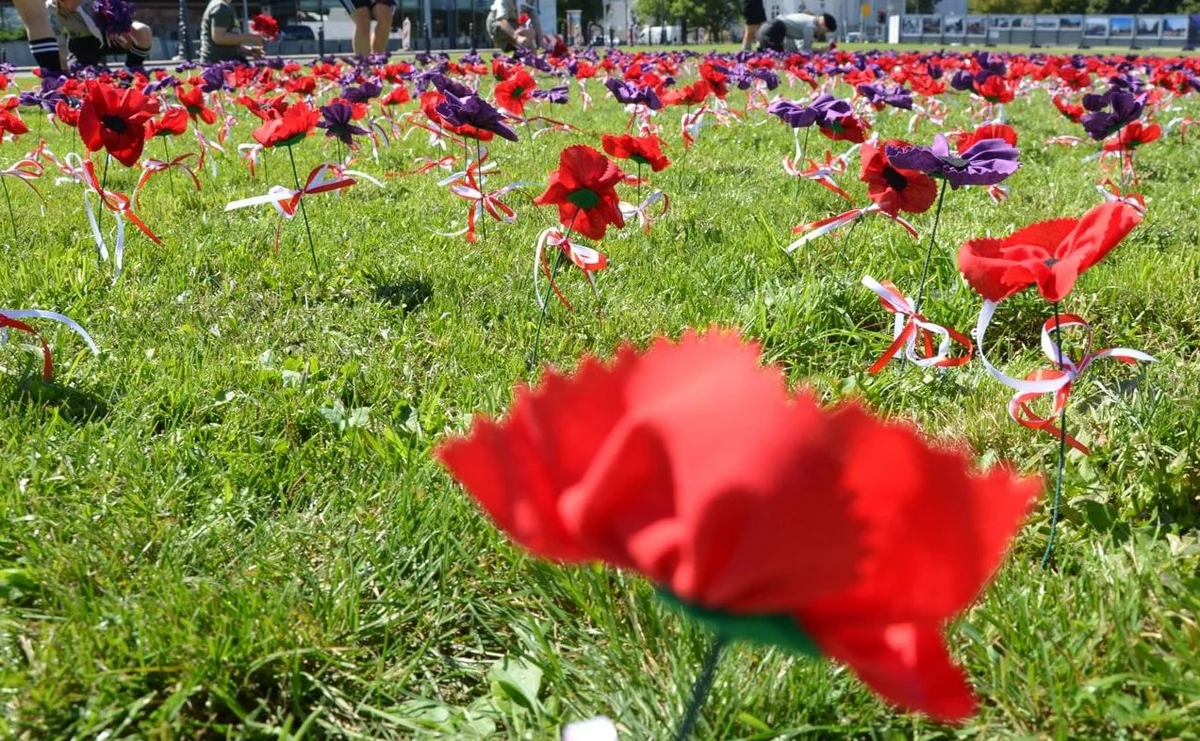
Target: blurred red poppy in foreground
{"x":753,"y":509}
{"x":583,"y":188}
{"x":1052,"y":254}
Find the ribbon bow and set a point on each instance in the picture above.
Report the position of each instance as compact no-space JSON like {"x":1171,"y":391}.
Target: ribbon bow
{"x":824,"y":226}
{"x":1066,"y":141}
{"x":468,"y":185}
{"x":118,"y":203}
{"x":206,"y":145}
{"x":250,"y":153}
{"x":151,"y":167}
{"x":1110,"y":192}
{"x":427,"y":164}
{"x":1184,"y":124}
{"x":1056,"y":381}
{"x":822,"y":174}
{"x":585,"y":258}
{"x":909,"y":327}
{"x":642,"y":211}
{"x":10,"y":319}
{"x":322,"y":179}
{"x":26,"y":170}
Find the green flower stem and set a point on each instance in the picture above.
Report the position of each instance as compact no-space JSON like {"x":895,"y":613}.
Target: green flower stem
{"x":937,"y":215}
{"x":8,"y":201}
{"x":701,"y":688}
{"x":304,"y":214}
{"x":1055,"y":509}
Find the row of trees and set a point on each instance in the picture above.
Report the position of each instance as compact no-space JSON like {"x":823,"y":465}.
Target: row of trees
{"x":998,"y":7}
{"x":713,"y":15}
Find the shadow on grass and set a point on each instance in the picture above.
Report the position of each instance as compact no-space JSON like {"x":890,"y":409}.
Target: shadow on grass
{"x":73,"y":405}
{"x":408,"y":294}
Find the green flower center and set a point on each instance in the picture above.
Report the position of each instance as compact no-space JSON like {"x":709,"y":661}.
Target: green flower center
{"x":768,"y":630}
{"x":584,"y":198}
{"x":518,"y":91}
{"x":639,"y":159}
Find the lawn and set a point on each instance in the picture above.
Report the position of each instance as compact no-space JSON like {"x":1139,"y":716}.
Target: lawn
{"x":230,"y":524}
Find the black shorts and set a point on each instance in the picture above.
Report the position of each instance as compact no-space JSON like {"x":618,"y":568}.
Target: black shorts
{"x":754,"y":12}
{"x":372,"y":3}
{"x":90,"y":51}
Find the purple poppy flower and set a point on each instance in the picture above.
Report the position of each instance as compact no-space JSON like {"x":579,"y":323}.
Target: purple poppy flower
{"x":897,"y":97}
{"x":474,"y":111}
{"x":631,"y":94}
{"x":963,"y":80}
{"x":987,"y":162}
{"x":446,"y":86}
{"x":48,"y":97}
{"x":213,"y":78}
{"x":158,"y":85}
{"x":557,"y":95}
{"x":337,"y":119}
{"x":767,"y":76}
{"x":364,"y":93}
{"x":824,"y":111}
{"x":1123,"y":107}
{"x":113,"y":16}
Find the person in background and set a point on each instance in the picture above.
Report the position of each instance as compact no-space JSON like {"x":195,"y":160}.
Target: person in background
{"x":786,"y":30}
{"x":42,"y":40}
{"x":506,"y":28}
{"x":367,"y":41}
{"x":88,"y":44}
{"x":220,"y":37}
{"x":754,"y":15}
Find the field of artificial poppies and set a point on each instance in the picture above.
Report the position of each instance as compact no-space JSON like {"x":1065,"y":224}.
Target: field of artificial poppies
{"x":252,"y":313}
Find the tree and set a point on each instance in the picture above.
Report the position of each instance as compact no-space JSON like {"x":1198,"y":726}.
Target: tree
{"x":711,"y":14}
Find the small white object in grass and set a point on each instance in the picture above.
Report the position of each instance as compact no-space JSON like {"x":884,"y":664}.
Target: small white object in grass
{"x":599,"y":728}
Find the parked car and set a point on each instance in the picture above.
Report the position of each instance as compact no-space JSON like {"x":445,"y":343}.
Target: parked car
{"x":297,"y":33}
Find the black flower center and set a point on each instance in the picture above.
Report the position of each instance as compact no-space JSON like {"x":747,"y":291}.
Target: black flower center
{"x":584,"y":198}
{"x":954,"y":161}
{"x":895,"y":180}
{"x":115,"y":123}
{"x":1050,"y":262}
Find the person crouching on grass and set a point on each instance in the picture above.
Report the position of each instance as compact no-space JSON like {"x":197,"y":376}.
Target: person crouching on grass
{"x":220,"y":40}
{"x":784,"y":31}
{"x":88,"y":43}
{"x":507,"y":30}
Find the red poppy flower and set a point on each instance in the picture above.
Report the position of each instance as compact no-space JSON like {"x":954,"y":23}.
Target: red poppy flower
{"x":1052,"y":254}
{"x":265,"y":26}
{"x":396,"y":96}
{"x":302,"y":85}
{"x":895,"y":190}
{"x":846,"y":128}
{"x":644,"y":150}
{"x":689,"y":94}
{"x":583,"y":188}
{"x":1072,"y":111}
{"x":115,"y":120}
{"x":812,"y":529}
{"x":716,"y":79}
{"x":65,"y":113}
{"x":11,"y":123}
{"x":172,"y":122}
{"x":192,"y":98}
{"x":515,"y":91}
{"x":995,"y":89}
{"x":1132,"y":135}
{"x":967,"y":139}
{"x":289,"y":128}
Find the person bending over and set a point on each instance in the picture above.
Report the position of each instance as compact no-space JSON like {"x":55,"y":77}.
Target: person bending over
{"x":795,"y":29}
{"x":366,"y":41}
{"x":88,"y":44}
{"x":220,"y":37}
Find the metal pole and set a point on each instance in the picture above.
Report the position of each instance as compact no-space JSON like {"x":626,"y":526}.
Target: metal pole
{"x":245,"y":16}
{"x":321,"y":30}
{"x":185,"y":39}
{"x":428,"y":26}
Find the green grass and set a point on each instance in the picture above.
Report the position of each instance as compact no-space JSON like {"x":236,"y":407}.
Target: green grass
{"x":229,"y":524}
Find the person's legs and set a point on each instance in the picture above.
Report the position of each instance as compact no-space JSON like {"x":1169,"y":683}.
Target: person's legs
{"x":361,"y":16}
{"x":42,"y":42}
{"x":383,"y":26}
{"x":755,"y":15}
{"x":137,"y":48}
